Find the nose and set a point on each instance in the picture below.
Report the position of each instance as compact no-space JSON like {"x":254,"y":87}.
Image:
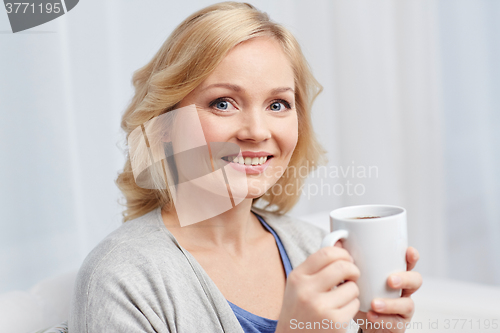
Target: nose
{"x":254,"y":126}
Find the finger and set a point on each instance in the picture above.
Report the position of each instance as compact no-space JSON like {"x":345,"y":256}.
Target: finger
{"x":349,"y":310}
{"x":339,"y":244}
{"x":389,"y":321}
{"x":340,"y":296}
{"x":412,"y":257}
{"x":403,"y":306}
{"x":321,"y":258}
{"x":333,"y":274}
{"x":408,"y":281}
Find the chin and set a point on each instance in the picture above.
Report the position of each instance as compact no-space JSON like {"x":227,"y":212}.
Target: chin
{"x":257,"y":189}
{"x":255,"y":195}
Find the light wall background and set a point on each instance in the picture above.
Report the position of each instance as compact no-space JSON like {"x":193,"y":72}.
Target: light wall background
{"x":411,"y":87}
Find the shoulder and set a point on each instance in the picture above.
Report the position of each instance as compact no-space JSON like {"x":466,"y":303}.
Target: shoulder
{"x":128,"y":241}
{"x":136,"y":248}
{"x":121,"y":280}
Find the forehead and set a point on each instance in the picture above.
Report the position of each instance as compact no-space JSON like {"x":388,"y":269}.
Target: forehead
{"x":259,"y":63}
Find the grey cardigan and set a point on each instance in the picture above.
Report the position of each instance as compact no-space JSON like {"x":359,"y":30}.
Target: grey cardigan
{"x":139,"y":279}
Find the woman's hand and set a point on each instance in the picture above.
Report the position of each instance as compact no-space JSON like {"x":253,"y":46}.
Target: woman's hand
{"x":312,"y":294}
{"x":398,"y":312}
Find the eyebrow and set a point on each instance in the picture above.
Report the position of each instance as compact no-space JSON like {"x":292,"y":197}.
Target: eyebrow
{"x":240,"y":89}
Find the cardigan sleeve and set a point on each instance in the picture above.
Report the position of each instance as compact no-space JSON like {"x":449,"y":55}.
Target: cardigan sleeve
{"x":119,"y":293}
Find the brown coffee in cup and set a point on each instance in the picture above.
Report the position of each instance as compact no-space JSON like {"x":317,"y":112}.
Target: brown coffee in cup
{"x":365,"y":217}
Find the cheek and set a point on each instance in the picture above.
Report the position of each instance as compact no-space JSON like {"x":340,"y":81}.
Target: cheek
{"x":287,"y":137}
{"x":214,"y":129}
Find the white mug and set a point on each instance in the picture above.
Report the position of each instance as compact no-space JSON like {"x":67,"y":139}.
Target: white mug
{"x":376,"y":238}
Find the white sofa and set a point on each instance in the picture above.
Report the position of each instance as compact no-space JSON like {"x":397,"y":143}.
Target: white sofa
{"x":44,"y":305}
{"x":438,"y":301}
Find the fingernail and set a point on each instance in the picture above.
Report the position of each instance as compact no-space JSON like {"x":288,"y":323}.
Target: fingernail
{"x":396,"y":280}
{"x":375,"y":316}
{"x":378,"y":304}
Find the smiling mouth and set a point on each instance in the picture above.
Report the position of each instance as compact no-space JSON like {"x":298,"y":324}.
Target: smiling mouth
{"x":247,"y":160}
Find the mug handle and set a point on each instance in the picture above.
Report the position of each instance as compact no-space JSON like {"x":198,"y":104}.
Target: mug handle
{"x":333,"y":237}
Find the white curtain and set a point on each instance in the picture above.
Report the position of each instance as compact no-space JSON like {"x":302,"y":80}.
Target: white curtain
{"x":410,"y":96}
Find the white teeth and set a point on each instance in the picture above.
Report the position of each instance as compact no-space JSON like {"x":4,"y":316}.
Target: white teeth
{"x":248,"y":160}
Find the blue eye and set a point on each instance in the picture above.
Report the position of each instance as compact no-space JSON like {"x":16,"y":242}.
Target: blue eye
{"x":222,"y":105}
{"x":279,"y":105}
{"x":276,"y":106}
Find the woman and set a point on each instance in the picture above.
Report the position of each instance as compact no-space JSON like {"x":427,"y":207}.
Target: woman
{"x":250,"y":86}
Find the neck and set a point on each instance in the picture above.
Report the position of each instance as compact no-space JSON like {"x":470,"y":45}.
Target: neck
{"x":232,"y":230}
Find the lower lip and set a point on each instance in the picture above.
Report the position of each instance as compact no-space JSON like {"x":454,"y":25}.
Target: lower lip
{"x":251,"y":169}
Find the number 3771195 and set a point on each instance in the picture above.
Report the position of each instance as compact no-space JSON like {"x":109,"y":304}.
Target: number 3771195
{"x":26,"y":7}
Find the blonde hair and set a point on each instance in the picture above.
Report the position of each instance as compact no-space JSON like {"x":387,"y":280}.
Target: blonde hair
{"x":189,"y":56}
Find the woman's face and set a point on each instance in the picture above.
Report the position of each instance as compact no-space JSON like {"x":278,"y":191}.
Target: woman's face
{"x":249,"y":100}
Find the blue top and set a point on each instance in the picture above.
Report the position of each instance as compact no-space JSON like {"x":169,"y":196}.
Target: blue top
{"x":252,"y":323}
